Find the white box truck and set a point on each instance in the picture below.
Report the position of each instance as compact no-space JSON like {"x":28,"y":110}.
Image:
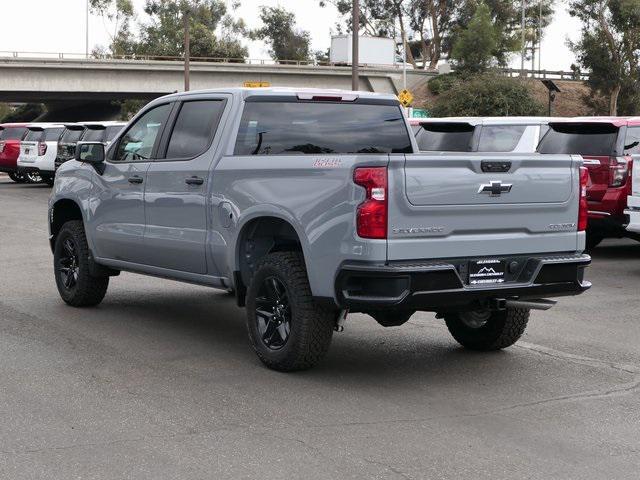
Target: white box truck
{"x":372,"y":50}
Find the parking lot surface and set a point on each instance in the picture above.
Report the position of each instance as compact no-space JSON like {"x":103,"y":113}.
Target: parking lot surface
{"x":160,"y":381}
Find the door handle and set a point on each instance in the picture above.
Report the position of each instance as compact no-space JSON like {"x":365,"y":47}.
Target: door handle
{"x":135,"y":179}
{"x":194,"y":180}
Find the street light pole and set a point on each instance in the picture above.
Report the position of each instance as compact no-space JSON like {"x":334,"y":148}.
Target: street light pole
{"x":355,"y":58}
{"x":187,"y":49}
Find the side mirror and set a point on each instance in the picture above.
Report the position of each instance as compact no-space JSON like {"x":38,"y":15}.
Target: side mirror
{"x":90,"y":152}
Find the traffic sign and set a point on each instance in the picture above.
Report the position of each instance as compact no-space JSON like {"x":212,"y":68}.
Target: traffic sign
{"x":257,"y":84}
{"x":405,"y":97}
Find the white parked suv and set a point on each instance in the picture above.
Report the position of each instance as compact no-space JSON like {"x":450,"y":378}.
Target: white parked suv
{"x":38,"y":151}
{"x":480,"y":134}
{"x":633,"y":201}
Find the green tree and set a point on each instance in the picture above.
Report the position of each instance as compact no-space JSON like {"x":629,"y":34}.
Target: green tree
{"x":487,"y":94}
{"x":119,"y":13}
{"x":609,"y":48}
{"x":279,"y":31}
{"x":474,"y":49}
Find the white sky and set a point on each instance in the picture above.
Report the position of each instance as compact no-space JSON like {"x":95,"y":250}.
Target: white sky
{"x":59,"y":26}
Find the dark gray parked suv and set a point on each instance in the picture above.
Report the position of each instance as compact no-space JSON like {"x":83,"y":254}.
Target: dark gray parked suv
{"x":311,"y":204}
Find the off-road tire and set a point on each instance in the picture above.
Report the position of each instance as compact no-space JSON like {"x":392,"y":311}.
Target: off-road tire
{"x":502,"y":329}
{"x":311,"y":325}
{"x":88,"y":290}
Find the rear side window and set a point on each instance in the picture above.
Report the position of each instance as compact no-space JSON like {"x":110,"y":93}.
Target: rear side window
{"x":632,"y":141}
{"x":93,"y":135}
{"x":12,"y":133}
{"x":34,"y":136}
{"x":500,"y":138}
{"x":289,"y":127}
{"x":112,"y":131}
{"x":52,"y":134}
{"x":71,"y":135}
{"x":194,"y":128}
{"x":445,"y":137}
{"x":595,"y":139}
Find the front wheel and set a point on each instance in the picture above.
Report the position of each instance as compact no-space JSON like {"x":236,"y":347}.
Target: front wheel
{"x":487,"y":330}
{"x":17,"y":177}
{"x":287,"y":329}
{"x":32,"y":177}
{"x":76,"y":285}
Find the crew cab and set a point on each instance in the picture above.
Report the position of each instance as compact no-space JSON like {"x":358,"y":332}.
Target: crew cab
{"x":608,"y":146}
{"x":10,"y":136}
{"x":479,"y":134}
{"x":38,"y":151}
{"x":311,"y":204}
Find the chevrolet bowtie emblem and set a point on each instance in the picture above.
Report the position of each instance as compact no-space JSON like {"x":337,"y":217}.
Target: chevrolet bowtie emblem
{"x":495,"y":188}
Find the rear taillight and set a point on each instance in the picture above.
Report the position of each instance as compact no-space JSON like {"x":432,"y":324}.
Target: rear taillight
{"x":619,"y":171}
{"x":583,"y":210}
{"x":42,"y":148}
{"x":371,"y":216}
{"x":1,"y":147}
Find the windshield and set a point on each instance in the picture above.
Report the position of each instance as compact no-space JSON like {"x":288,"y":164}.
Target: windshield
{"x":34,"y":136}
{"x":12,"y":133}
{"x":93,"y":135}
{"x":71,"y":135}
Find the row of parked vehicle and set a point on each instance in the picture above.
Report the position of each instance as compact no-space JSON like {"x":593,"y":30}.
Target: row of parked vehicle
{"x":607,"y":145}
{"x":32,"y":152}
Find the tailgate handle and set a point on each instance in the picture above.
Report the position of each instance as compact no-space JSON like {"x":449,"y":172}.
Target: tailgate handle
{"x":495,"y":167}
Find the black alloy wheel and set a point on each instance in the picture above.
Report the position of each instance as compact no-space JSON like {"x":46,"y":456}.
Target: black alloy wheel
{"x":69,"y":264}
{"x":273,"y":313}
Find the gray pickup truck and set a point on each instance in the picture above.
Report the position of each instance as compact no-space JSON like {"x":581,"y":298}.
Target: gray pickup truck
{"x":312,"y":204}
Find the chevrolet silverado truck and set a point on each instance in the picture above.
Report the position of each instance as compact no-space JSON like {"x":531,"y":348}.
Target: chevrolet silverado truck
{"x":312,"y":204}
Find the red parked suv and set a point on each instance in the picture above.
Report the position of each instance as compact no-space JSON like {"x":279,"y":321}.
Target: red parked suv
{"x":10,"y":136}
{"x":608,"y":146}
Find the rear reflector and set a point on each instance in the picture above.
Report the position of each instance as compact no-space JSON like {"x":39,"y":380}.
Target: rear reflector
{"x":583,"y":210}
{"x":371,"y":215}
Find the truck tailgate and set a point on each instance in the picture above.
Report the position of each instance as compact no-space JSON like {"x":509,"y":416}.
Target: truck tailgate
{"x":470,"y":204}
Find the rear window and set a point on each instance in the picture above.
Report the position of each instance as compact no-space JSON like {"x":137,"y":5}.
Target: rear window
{"x":632,"y":141}
{"x":93,"y":135}
{"x":445,"y":137}
{"x":53,"y":134}
{"x":288,"y":127}
{"x":34,"y":136}
{"x":112,"y":131}
{"x":594,"y":139}
{"x":71,"y":135}
{"x":500,"y":138}
{"x":12,"y":133}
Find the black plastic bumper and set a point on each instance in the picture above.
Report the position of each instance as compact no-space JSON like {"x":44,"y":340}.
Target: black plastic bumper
{"x":440,"y":285}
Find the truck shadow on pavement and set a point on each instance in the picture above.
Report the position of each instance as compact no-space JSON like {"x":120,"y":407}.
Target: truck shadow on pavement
{"x":616,"y":249}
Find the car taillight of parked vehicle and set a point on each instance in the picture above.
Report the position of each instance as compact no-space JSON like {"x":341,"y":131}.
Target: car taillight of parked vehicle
{"x":42,"y":148}
{"x":583,"y":210}
{"x":620,"y":168}
{"x":1,"y":147}
{"x":371,"y":215}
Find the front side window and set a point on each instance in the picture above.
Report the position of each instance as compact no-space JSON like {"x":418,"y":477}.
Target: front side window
{"x":289,"y":127}
{"x":194,"y":128}
{"x":71,"y":135}
{"x":93,"y":135}
{"x":139,"y":140}
{"x":445,"y":137}
{"x":500,"y":138}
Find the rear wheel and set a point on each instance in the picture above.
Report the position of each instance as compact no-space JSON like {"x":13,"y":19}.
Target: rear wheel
{"x":486,"y":329}
{"x":32,"y":177}
{"x":287,"y":329}
{"x":76,"y":285}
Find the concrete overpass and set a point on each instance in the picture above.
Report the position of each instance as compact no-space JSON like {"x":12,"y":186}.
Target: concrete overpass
{"x":86,"y":80}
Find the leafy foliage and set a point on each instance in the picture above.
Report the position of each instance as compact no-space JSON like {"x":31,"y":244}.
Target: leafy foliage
{"x":25,"y":113}
{"x":442,"y":83}
{"x":487,"y":94}
{"x":474,"y":49}
{"x":286,"y":42}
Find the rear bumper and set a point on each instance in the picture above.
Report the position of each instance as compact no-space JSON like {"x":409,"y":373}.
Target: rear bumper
{"x":42,"y":173}
{"x":441,"y":285}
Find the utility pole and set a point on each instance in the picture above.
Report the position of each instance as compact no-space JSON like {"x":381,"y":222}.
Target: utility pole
{"x":540,"y":36}
{"x":87,"y":30}
{"x":187,"y":48}
{"x":523,"y":53}
{"x":355,"y":58}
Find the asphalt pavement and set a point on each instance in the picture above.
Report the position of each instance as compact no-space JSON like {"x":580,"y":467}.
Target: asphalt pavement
{"x":159,"y":382}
